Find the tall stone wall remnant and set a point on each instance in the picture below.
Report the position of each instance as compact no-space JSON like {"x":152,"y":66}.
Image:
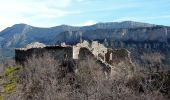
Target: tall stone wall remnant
{"x":105,"y":57}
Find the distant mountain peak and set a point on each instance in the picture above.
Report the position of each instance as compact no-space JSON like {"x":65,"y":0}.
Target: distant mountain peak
{"x":21,"y":25}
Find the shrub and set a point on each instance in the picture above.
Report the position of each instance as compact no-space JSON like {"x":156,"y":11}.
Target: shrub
{"x":44,"y":78}
{"x":9,"y":80}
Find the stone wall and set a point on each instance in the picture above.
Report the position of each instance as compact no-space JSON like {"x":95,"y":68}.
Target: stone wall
{"x":57,"y":52}
{"x":107,"y":59}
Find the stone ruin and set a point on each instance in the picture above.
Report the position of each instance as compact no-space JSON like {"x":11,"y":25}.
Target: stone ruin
{"x":107,"y":58}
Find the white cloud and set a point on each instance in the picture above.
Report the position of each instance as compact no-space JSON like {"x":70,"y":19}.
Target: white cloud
{"x":89,"y":22}
{"x":28,"y":11}
{"x":4,"y":22}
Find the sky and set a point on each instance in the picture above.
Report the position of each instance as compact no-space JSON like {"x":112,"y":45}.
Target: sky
{"x":48,"y":13}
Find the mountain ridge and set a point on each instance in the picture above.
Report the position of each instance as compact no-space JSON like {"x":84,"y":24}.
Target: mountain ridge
{"x":19,"y":35}
{"x":100,"y":23}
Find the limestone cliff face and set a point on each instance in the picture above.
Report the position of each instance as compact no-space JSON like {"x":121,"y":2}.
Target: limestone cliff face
{"x":160,"y":34}
{"x":146,"y":38}
{"x":146,"y":34}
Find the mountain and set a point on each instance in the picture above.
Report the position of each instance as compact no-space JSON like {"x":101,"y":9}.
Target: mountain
{"x":118,"y":25}
{"x":21,"y":34}
{"x":134,"y":36}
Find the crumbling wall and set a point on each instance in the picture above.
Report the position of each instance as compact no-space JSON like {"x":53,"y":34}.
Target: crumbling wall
{"x":77,"y":47}
{"x":57,"y":52}
{"x":117,"y":55}
{"x":98,"y":50}
{"x":85,"y":53}
{"x":108,"y":59}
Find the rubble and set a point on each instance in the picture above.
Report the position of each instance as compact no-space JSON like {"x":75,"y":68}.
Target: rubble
{"x":35,"y":45}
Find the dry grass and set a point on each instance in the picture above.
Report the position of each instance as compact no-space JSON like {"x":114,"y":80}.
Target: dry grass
{"x":44,"y":78}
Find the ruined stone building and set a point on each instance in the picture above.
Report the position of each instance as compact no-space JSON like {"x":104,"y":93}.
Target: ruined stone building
{"x":107,"y":58}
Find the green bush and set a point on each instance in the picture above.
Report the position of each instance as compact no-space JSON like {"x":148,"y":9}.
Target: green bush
{"x":10,"y":77}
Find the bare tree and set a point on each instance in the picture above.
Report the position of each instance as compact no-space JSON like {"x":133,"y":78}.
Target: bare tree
{"x":153,"y":60}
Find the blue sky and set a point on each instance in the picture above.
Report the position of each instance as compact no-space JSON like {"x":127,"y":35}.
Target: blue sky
{"x":47,"y":13}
